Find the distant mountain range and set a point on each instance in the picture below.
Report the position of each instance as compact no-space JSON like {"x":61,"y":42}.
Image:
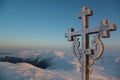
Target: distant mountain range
{"x":38,"y":62}
{"x":43,"y":61}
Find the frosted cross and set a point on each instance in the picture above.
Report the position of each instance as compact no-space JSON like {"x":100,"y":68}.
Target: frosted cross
{"x":86,"y":54}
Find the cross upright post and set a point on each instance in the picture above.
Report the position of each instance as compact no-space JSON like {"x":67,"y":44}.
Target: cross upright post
{"x":85,"y":54}
{"x":85,"y":41}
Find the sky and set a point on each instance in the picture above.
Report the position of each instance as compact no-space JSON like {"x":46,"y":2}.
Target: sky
{"x":37,"y":24}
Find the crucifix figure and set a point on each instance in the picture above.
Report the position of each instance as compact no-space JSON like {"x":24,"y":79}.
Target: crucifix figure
{"x":86,"y":54}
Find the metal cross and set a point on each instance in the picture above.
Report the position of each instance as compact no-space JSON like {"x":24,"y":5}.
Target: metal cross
{"x":87,"y":55}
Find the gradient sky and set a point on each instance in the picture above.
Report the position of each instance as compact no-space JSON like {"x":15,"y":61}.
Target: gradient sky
{"x":43,"y":23}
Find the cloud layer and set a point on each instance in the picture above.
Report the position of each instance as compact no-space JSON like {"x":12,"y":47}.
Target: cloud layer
{"x":64,"y":67}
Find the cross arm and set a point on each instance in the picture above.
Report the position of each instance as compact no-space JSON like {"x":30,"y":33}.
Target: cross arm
{"x":86,"y":12}
{"x":106,"y":27}
{"x":72,"y":34}
{"x":69,"y":34}
{"x":104,"y":30}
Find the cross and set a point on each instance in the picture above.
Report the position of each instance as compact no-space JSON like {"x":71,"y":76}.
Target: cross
{"x":103,"y":30}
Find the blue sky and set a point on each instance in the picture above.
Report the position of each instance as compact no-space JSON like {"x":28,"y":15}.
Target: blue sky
{"x":43,"y":23}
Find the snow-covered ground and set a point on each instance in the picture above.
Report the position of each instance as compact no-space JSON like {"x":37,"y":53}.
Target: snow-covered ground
{"x":63,"y":66}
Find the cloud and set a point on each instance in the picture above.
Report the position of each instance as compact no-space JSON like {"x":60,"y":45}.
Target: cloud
{"x":59,"y":54}
{"x":114,"y":79}
{"x":26,"y":52}
{"x":24,"y":71}
{"x":76,"y":64}
{"x":117,"y":60}
{"x":30,"y":53}
{"x":97,"y":76}
{"x":70,"y":70}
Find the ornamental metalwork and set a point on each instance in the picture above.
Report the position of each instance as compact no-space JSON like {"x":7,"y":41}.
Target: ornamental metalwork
{"x":87,"y":54}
